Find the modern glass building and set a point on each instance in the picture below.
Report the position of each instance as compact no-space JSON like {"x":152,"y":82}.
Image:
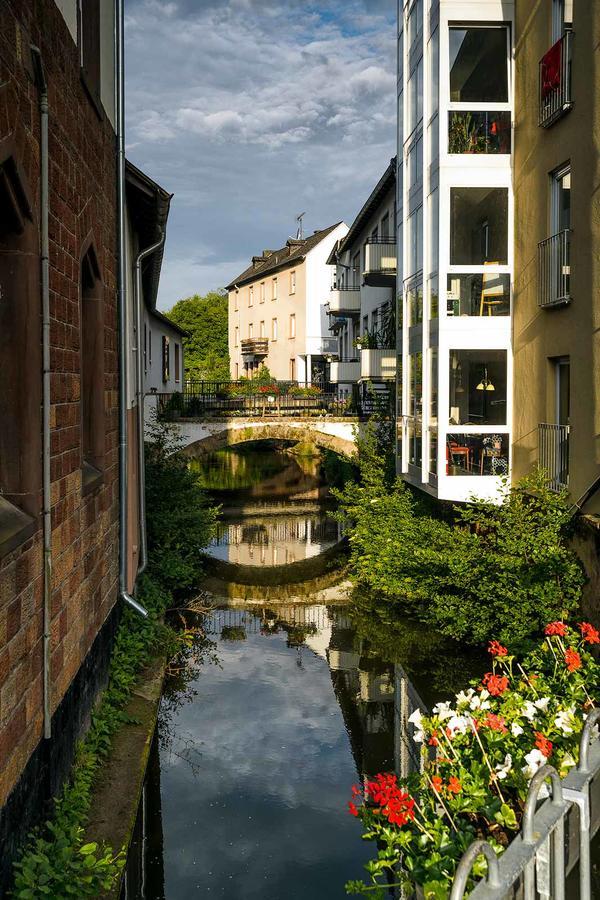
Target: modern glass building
{"x":455,"y":249}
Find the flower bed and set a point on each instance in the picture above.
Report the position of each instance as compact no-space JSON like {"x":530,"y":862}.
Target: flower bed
{"x":478,"y":756}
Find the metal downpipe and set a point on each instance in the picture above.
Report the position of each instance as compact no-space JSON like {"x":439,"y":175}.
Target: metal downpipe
{"x":42,"y":86}
{"x":148,"y":251}
{"x":122,"y":300}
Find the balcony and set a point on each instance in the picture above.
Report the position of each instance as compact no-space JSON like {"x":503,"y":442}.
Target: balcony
{"x":553,"y":451}
{"x":329,"y":347}
{"x":344,"y":301}
{"x":555,"y":81}
{"x":380,"y":262}
{"x":345,"y":371}
{"x":254,"y":348}
{"x":554,"y":270}
{"x":377,"y":364}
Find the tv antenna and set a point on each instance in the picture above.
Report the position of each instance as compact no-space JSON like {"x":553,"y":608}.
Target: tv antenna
{"x":300,"y":231}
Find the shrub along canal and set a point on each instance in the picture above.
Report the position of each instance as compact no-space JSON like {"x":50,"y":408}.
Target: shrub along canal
{"x":289,"y":693}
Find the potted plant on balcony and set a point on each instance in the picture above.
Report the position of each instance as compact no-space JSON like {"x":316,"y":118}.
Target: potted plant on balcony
{"x":464,"y":135}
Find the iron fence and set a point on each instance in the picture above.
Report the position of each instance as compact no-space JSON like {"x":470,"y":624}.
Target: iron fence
{"x":192,"y":405}
{"x":555,"y":81}
{"x":554,"y":269}
{"x":553,"y":454}
{"x":554,"y":840}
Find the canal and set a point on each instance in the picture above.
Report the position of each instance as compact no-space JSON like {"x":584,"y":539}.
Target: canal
{"x":292,"y":691}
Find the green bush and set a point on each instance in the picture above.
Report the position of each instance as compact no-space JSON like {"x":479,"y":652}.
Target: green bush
{"x":498,"y":571}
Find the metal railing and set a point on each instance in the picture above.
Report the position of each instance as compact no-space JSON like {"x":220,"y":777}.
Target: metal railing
{"x":553,"y":454}
{"x":555,"y":81}
{"x":554,"y":839}
{"x":554,"y":269}
{"x":260,"y":404}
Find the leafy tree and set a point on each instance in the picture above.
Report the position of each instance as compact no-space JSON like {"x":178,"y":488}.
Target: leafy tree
{"x":206,"y":348}
{"x":495,"y":571}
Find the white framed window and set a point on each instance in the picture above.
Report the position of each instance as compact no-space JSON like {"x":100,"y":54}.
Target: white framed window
{"x":274,"y":330}
{"x":293,"y":282}
{"x":262,"y":292}
{"x":250,"y":330}
{"x":251,"y":295}
{"x":292,"y":325}
{"x":274,"y":288}
{"x":236,"y":336}
{"x":262,"y":329}
{"x":236,"y":298}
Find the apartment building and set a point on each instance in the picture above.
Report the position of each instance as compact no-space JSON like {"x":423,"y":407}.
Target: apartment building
{"x":361,"y":302}
{"x":557,"y":229}
{"x":455,"y":245}
{"x":277,"y":314}
{"x":71,"y":462}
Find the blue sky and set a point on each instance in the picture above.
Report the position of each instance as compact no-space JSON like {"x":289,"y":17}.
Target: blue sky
{"x":251,"y":111}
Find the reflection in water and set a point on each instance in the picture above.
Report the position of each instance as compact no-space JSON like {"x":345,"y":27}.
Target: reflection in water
{"x":257,"y":755}
{"x":274,"y":540}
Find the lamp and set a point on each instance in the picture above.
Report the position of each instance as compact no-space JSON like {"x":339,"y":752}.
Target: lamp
{"x":485,"y":384}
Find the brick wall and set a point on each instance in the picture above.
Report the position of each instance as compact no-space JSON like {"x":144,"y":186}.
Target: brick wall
{"x":85,"y":527}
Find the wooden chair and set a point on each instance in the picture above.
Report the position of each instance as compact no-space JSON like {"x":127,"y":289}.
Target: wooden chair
{"x":492,"y":291}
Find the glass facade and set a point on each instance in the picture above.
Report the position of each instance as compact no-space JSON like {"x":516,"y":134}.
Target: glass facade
{"x":479,"y":62}
{"x":478,"y":226}
{"x":477,"y":387}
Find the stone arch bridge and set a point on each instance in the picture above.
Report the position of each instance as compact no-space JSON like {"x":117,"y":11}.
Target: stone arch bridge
{"x":205,"y":436}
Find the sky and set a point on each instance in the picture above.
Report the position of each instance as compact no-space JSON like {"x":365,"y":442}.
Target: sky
{"x":251,"y":112}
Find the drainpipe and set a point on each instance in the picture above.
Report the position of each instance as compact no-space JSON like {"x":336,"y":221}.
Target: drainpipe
{"x":122,"y":298}
{"x":40,"y":78}
{"x":144,"y":254}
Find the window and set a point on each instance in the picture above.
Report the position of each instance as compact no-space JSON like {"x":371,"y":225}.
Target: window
{"x":250,"y":330}
{"x":479,"y":61}
{"x":236,"y":336}
{"x":292,"y":369}
{"x":293,"y":282}
{"x":434,"y":72}
{"x":365,"y":327}
{"x":166,"y":359}
{"x":478,"y":226}
{"x":477,"y":387}
{"x":562,"y":380}
{"x":177,"y":362}
{"x":236,"y":300}
{"x":562,"y":18}
{"x":20,"y":351}
{"x":479,"y":294}
{"x":415,"y":96}
{"x":262,"y":329}
{"x":355,"y":270}
{"x":375,"y":234}
{"x":89,"y":46}
{"x":91,"y":367}
{"x":385,"y":227}
{"x":237,"y":371}
{"x":560,"y":200}
{"x":414,"y":303}
{"x":251,"y":295}
{"x":262,"y":292}
{"x":274,"y":330}
{"x":274,"y":289}
{"x":415,"y":241}
{"x":292,"y":325}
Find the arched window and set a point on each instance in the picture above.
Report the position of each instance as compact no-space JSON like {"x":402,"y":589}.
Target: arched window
{"x":92,"y":369}
{"x":20,"y":352}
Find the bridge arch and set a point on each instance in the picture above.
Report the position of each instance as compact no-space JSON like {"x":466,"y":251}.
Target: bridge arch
{"x":200,"y":438}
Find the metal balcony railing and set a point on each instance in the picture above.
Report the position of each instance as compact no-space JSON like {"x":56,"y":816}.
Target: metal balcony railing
{"x":380,"y":256}
{"x":555,"y":81}
{"x":255,"y":346}
{"x":554,"y":269}
{"x":553,"y":444}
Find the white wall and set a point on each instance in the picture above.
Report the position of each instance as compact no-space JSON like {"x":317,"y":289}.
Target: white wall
{"x":155,"y":329}
{"x":318,"y":285}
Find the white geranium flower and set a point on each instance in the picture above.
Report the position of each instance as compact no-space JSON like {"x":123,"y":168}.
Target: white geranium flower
{"x":542,"y":703}
{"x":458,"y":725}
{"x":564,"y":720}
{"x":516,"y":729}
{"x":465,"y":697}
{"x":535,"y":759}
{"x":502,"y":769}
{"x":416,"y":718}
{"x":443,"y":711}
{"x":530,"y":711}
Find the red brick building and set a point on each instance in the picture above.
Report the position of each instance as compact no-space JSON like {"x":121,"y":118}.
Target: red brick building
{"x":76,"y":44}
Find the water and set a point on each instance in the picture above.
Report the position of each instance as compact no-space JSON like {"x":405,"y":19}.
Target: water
{"x":283,"y":703}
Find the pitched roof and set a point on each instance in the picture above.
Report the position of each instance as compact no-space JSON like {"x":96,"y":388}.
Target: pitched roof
{"x":157,"y":314}
{"x":387,"y":181}
{"x":294,"y":251}
{"x":149,"y":209}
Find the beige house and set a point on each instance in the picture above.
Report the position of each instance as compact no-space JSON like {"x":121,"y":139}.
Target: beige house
{"x":557,"y":229}
{"x":277,"y":313}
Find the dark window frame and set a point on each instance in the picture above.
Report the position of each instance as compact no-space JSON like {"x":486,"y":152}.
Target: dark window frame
{"x":88,"y":29}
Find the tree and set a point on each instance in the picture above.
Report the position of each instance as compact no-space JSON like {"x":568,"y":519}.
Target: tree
{"x":206,"y":348}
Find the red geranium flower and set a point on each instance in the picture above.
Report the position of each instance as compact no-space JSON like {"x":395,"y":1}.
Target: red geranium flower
{"x":556,"y":628}
{"x":394,"y":803}
{"x":496,"y":649}
{"x":543,"y":744}
{"x":496,"y":684}
{"x":589,"y":633}
{"x":496,"y":723}
{"x":352,"y":808}
{"x":433,"y":740}
{"x":454,"y":785}
{"x":436,"y":782}
{"x":572,"y":659}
